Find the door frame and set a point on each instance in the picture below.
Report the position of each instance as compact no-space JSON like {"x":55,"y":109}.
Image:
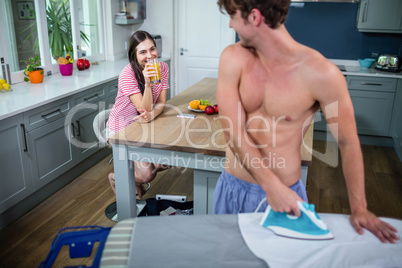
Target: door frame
{"x":176,"y":45}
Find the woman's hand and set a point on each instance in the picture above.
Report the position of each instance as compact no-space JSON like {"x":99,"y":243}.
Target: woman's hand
{"x":148,"y":72}
{"x":144,"y":116}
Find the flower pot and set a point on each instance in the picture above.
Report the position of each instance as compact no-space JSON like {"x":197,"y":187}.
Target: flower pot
{"x":66,"y":69}
{"x":36,"y":76}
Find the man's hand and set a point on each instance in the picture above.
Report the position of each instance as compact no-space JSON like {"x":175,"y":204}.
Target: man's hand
{"x":365,"y":219}
{"x":283,"y":199}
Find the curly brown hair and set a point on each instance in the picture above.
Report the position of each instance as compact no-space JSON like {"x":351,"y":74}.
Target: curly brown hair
{"x":274,"y":11}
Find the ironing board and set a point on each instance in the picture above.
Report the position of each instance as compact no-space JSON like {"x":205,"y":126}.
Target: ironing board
{"x":206,"y":241}
{"x":180,"y":241}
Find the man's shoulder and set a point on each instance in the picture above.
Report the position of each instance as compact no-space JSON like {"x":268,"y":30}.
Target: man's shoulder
{"x":237,"y":50}
{"x":321,"y":75}
{"x":316,"y":64}
{"x":237,"y":55}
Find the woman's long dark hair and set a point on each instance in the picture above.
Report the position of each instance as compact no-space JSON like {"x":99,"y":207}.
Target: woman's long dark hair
{"x":135,"y":39}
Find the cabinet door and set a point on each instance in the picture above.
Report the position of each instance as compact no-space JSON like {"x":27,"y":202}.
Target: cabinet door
{"x":319,"y":121}
{"x":87,"y":107}
{"x":396,"y":128}
{"x":15,"y":179}
{"x":380,"y":16}
{"x":86,"y":140}
{"x":50,"y":152}
{"x":373,"y":111}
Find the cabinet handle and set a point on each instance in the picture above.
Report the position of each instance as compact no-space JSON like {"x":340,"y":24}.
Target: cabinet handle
{"x":364,"y":12}
{"x":56,"y":111}
{"x":90,"y":98}
{"x":370,"y":84}
{"x":73,"y":127}
{"x":78,"y":128}
{"x":25,"y":138}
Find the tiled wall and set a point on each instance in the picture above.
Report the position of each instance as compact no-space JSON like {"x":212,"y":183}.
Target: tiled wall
{"x":331,"y":29}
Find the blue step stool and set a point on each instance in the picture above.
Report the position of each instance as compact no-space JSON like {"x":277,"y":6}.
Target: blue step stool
{"x":80,"y":243}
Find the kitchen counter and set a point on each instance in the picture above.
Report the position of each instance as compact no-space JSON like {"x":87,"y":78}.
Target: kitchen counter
{"x":351,"y":67}
{"x":25,"y":96}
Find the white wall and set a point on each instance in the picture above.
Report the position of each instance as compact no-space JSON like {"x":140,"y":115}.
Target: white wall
{"x":159,"y":20}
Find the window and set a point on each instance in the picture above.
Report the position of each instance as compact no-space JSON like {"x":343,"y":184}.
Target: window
{"x":90,"y":25}
{"x":50,"y":28}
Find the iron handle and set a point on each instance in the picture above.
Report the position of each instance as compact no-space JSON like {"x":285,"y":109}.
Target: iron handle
{"x":78,"y":128}
{"x":90,"y":98}
{"x":370,"y":84}
{"x":55,"y":111}
{"x":25,"y":138}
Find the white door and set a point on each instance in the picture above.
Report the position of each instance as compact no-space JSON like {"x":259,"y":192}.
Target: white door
{"x":203,"y":32}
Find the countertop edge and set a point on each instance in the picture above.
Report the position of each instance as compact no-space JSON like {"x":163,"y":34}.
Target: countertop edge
{"x":26,"y":96}
{"x":54,"y":87}
{"x":56,"y":98}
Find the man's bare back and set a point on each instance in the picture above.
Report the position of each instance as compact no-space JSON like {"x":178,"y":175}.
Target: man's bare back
{"x":278,"y":104}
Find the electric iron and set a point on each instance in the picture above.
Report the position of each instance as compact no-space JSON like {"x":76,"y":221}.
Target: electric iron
{"x":308,"y":226}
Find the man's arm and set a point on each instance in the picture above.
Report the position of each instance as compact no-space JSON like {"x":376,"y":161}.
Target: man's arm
{"x":336,"y":104}
{"x":233,"y":120}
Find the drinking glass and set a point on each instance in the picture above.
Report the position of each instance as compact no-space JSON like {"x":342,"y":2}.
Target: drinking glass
{"x":155,"y":63}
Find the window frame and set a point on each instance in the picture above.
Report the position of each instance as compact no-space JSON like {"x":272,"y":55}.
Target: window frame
{"x":43,"y":38}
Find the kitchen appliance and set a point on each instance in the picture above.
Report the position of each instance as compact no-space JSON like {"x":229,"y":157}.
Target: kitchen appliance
{"x":123,"y":6}
{"x":389,"y":63}
{"x":158,"y":41}
{"x":308,"y":226}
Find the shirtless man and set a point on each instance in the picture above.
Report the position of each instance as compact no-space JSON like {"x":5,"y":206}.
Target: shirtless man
{"x":269,"y":86}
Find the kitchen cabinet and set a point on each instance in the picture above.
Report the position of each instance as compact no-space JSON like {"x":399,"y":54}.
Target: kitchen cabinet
{"x":49,"y":150}
{"x":373,"y":111}
{"x":41,"y":144}
{"x":396,"y":126}
{"x":88,"y":105}
{"x":319,"y":121}
{"x":16,"y":179}
{"x":380,"y":16}
{"x":373,"y":101}
{"x":111,"y":93}
{"x":86,"y":108}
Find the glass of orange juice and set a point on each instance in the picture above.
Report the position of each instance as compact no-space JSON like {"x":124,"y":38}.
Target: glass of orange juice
{"x":155,"y":63}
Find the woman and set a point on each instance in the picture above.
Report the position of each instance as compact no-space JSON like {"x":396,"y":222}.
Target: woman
{"x":139,"y":100}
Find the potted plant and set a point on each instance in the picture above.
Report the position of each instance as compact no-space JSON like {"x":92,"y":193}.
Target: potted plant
{"x":59,"y":29}
{"x":33,"y":72}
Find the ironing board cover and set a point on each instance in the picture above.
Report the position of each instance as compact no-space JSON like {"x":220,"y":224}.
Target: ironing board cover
{"x":347,"y":249}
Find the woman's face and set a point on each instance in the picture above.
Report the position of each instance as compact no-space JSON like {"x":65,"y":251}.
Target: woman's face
{"x":146,"y":50}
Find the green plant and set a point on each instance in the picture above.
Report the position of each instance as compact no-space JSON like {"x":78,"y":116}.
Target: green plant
{"x":32,"y":65}
{"x":59,"y":29}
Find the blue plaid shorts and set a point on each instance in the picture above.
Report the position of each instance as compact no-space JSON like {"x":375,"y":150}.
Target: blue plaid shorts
{"x":233,"y":195}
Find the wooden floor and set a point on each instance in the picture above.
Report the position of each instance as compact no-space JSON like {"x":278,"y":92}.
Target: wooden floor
{"x":26,"y":242}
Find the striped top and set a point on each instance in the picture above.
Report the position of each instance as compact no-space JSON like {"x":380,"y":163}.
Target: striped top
{"x":124,"y":111}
